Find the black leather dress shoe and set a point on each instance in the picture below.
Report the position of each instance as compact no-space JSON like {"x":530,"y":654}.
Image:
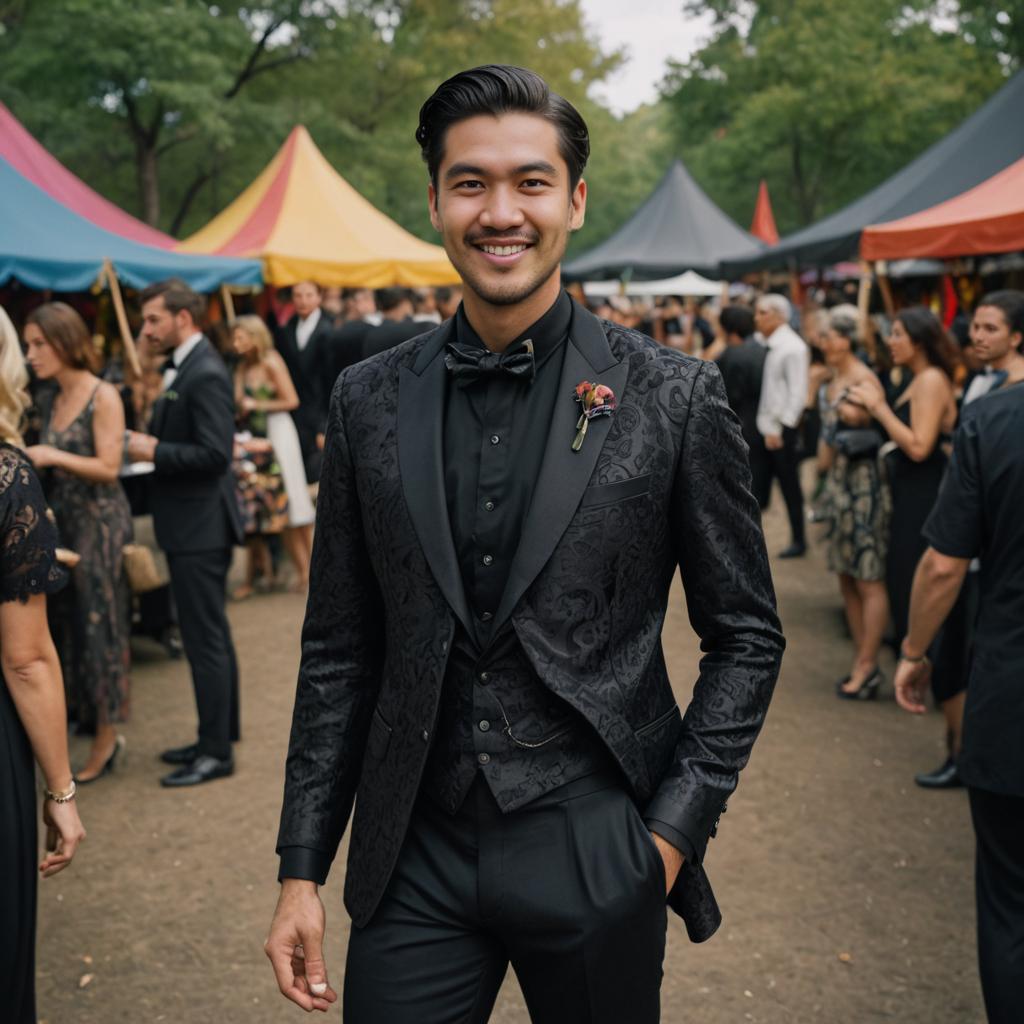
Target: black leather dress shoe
{"x":793,"y":551}
{"x":180,"y":755}
{"x":202,"y":769}
{"x":944,"y":777}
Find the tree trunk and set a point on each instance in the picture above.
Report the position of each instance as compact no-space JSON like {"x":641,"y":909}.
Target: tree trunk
{"x":148,"y":173}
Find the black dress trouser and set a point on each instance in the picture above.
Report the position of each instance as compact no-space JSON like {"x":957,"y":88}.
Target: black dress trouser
{"x":782,"y":464}
{"x":198,"y":580}
{"x":570,"y":890}
{"x":999,"y":882}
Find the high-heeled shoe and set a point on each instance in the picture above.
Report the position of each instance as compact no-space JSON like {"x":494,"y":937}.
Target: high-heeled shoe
{"x":868,"y":689}
{"x":108,"y":766}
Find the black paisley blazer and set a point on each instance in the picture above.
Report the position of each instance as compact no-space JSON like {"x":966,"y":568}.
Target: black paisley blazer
{"x":663,"y":482}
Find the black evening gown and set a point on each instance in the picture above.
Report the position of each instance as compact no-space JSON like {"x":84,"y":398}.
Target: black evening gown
{"x":915,"y":486}
{"x":27,"y":566}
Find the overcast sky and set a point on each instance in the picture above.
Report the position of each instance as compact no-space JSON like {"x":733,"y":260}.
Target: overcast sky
{"x":652,"y":31}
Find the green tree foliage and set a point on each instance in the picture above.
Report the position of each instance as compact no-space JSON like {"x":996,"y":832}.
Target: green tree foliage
{"x":996,"y":25}
{"x":822,"y":98}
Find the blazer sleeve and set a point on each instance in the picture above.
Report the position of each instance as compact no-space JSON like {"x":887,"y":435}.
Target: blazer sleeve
{"x":731,"y":601}
{"x":211,"y":407}
{"x":340,"y":668}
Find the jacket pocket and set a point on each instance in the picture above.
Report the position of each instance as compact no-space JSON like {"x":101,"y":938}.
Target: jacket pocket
{"x":606,"y":494}
{"x":380,"y":736}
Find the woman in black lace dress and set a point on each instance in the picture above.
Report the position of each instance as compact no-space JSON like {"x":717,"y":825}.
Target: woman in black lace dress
{"x":32,"y":719}
{"x":83,"y":440}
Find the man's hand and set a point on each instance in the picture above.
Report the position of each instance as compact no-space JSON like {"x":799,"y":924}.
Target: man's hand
{"x":911,"y":683}
{"x":321,"y":440}
{"x":773,"y":442}
{"x":673,"y":860}
{"x":140,"y":447}
{"x":295,"y":946}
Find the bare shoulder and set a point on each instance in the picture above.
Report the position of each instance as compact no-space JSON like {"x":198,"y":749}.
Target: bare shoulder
{"x":933,"y":383}
{"x":107,"y":397}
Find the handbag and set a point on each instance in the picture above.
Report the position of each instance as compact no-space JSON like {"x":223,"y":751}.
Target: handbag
{"x":858,"y":442}
{"x":141,"y":568}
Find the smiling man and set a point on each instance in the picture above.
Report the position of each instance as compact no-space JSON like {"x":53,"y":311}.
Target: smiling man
{"x":503,"y":506}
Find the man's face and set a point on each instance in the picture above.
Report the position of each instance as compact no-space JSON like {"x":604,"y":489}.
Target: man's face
{"x":503,"y":205}
{"x":766,"y":320}
{"x":991,"y":337}
{"x":162,"y":329}
{"x":306,"y":297}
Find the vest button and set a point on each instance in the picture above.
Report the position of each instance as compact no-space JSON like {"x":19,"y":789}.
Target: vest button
{"x":483,"y":758}
{"x":488,"y":559}
{"x":425,"y":735}
{"x":489,"y":506}
{"x":486,"y":616}
{"x":484,"y":725}
{"x":485,"y":677}
{"x":495,"y":439}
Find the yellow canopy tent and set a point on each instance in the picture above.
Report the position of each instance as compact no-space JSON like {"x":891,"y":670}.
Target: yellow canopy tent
{"x":307,"y":223}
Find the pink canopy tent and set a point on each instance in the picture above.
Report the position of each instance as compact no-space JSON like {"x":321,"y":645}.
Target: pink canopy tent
{"x":32,"y":161}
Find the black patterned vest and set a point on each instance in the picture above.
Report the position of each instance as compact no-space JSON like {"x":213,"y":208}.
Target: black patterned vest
{"x":497,"y":718}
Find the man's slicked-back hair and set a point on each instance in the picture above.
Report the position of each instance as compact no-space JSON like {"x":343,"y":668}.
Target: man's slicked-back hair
{"x":496,"y":89}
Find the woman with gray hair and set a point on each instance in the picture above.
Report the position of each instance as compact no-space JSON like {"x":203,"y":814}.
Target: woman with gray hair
{"x":856,"y":500}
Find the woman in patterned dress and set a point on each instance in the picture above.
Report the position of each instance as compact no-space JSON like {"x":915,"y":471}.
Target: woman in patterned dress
{"x":32,"y":719}
{"x":83,"y":442}
{"x":264,"y":397}
{"x":857,"y":502}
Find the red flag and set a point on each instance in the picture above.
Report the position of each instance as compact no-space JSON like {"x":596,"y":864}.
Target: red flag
{"x":763,"y":226}
{"x":950,"y":306}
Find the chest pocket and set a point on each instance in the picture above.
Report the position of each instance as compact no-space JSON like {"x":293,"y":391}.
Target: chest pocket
{"x":621,"y":490}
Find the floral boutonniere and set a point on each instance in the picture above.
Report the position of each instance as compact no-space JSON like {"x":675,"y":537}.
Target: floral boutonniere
{"x":170,"y":396}
{"x":596,"y":400}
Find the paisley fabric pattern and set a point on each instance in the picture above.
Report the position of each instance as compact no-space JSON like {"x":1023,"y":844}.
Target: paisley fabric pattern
{"x":379,"y":628}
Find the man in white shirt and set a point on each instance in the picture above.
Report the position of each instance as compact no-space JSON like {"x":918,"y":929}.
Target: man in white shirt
{"x":783,"y":397}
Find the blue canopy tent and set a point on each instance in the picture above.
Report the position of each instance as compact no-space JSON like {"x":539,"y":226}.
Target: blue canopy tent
{"x":45,"y":245}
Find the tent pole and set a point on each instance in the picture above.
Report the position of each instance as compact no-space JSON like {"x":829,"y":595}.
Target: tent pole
{"x":122,"y":320}
{"x":864,"y":309}
{"x":885,"y":287}
{"x":229,"y":304}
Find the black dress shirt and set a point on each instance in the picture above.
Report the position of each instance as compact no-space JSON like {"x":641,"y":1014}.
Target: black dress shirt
{"x":978,"y":514}
{"x":495,"y":434}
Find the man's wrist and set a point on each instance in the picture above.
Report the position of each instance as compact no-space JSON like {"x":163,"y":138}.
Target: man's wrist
{"x":297,"y":885}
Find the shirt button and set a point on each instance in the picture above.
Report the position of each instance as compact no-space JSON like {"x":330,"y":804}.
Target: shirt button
{"x":488,"y":559}
{"x":495,"y":439}
{"x":486,"y":616}
{"x":484,"y":725}
{"x":483,"y":758}
{"x":485,"y":677}
{"x":489,"y":506}
{"x":425,"y":735}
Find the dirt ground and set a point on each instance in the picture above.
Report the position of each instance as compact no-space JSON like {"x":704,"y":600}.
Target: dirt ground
{"x":846,"y":890}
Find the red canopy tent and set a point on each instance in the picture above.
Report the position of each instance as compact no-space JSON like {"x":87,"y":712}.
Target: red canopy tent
{"x":988,"y":218}
{"x":763,"y":225}
{"x":32,"y":161}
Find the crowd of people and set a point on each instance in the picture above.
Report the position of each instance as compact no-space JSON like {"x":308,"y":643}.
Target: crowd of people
{"x":810,"y":386}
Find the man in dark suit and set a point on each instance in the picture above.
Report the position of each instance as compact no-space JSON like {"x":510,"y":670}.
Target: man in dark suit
{"x":398,"y":324}
{"x":304,"y":343}
{"x":742,"y":368}
{"x":195,"y":515}
{"x":978,"y":514}
{"x":504,"y":503}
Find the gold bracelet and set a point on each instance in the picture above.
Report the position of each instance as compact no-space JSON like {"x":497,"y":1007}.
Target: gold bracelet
{"x":913,"y":661}
{"x":62,"y":798}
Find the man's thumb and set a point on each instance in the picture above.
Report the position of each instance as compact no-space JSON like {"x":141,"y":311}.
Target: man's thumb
{"x":316,"y":969}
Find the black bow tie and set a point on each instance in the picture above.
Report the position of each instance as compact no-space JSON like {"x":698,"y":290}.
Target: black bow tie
{"x":167,"y":364}
{"x":468,"y":363}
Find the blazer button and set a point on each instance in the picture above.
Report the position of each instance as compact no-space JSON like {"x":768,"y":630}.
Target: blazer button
{"x":483,"y":758}
{"x":484,"y":725}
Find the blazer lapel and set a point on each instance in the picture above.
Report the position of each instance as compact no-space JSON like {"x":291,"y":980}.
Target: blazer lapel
{"x":421,"y":391}
{"x":564,"y":474}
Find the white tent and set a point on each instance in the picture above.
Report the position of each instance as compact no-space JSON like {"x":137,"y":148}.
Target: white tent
{"x":686,"y":284}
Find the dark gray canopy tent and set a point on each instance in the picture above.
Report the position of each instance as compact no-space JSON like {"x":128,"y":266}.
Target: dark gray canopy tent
{"x":678,"y":228}
{"x":989,"y":140}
